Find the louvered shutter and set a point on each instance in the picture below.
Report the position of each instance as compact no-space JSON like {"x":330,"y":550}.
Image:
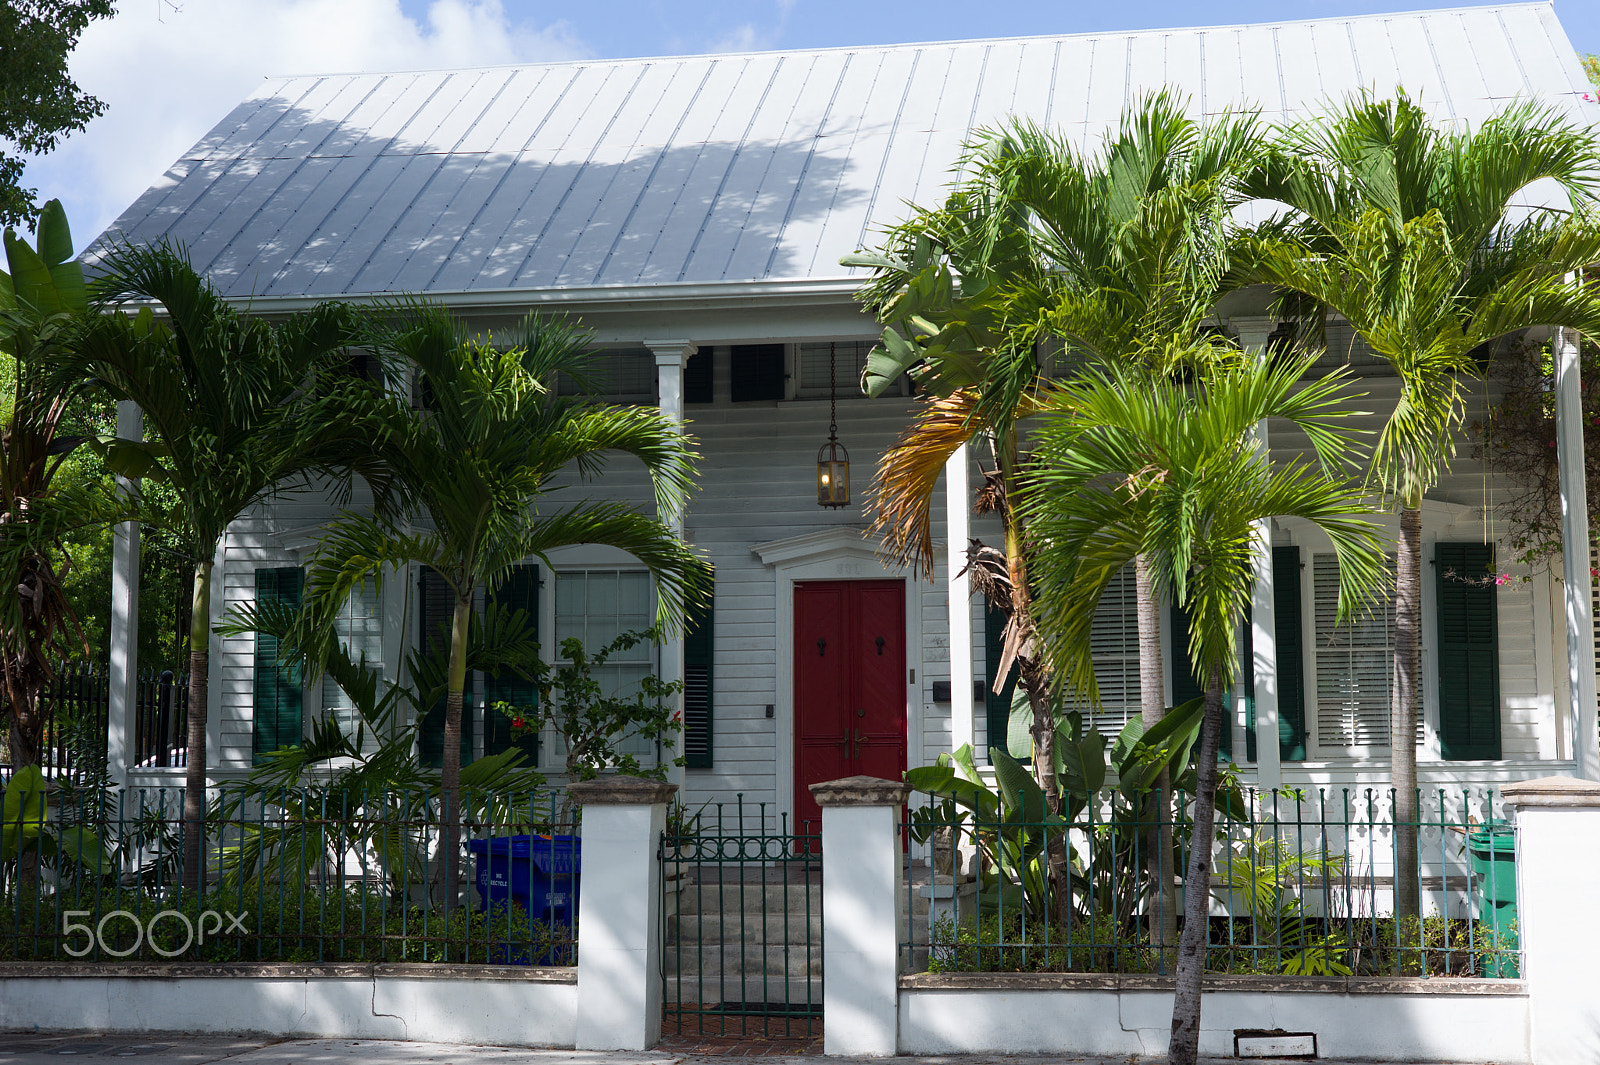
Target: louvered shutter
{"x":699,"y":685}
{"x":1288,"y":627}
{"x":436,"y":605}
{"x":520,"y":591}
{"x":1468,"y":654}
{"x":996,"y":706}
{"x":1114,"y":642}
{"x":758,"y":372}
{"x":276,"y":718}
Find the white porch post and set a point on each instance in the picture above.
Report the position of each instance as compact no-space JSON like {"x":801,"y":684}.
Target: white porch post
{"x":957,"y":508}
{"x":861,"y":895}
{"x":1575,"y":556}
{"x":124,"y":665}
{"x":1253,"y":334}
{"x":1558,"y":925}
{"x":619,"y":912}
{"x":671,"y":357}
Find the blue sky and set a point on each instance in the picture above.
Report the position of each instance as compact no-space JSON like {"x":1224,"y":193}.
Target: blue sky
{"x":170,"y":69}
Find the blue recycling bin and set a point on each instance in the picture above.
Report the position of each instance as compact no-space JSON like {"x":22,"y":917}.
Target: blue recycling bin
{"x":540,"y":874}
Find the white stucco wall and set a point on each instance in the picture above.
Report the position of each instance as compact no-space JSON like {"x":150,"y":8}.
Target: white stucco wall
{"x":1439,"y":1024}
{"x":530,"y":1008}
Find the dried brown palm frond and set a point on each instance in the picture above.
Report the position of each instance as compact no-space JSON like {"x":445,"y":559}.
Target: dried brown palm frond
{"x":902,"y":496}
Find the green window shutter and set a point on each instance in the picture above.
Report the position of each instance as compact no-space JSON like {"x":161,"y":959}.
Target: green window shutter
{"x":435,"y":608}
{"x":276,"y":718}
{"x":997,"y":706}
{"x":1469,"y":654}
{"x":1287,"y":629}
{"x":520,"y":591}
{"x":1186,"y":686}
{"x":699,"y":685}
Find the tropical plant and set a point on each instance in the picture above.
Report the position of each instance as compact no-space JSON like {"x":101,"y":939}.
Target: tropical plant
{"x":1130,"y":465}
{"x":1120,"y":255}
{"x":236,"y":410}
{"x":593,"y":723}
{"x":1263,"y":871}
{"x":27,"y":830}
{"x":478,"y":460}
{"x":353,"y":788}
{"x":1418,"y":237}
{"x":42,"y":304}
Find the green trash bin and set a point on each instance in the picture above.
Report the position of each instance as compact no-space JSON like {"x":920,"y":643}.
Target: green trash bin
{"x":1493,"y":850}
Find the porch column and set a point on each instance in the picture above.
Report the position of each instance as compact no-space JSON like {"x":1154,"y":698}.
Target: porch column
{"x":862,"y":887}
{"x":619,"y":912}
{"x":957,"y":509}
{"x":1575,"y":556}
{"x":1558,"y":924}
{"x":122,"y":671}
{"x":671,"y":358}
{"x":1253,"y":337}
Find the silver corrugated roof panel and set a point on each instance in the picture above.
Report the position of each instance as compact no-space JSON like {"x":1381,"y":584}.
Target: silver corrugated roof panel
{"x":760,"y":167}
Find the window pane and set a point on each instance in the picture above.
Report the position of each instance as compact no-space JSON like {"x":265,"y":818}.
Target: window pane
{"x":1115,"y":642}
{"x":359,"y":626}
{"x":595,"y":606}
{"x":1353,"y":663}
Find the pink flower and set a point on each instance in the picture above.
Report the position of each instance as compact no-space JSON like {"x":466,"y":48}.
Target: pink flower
{"x":1502,"y":578}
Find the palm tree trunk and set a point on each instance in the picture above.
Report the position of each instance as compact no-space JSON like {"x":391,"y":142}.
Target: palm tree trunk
{"x":447,"y":859}
{"x":1035,"y":683}
{"x":1158,"y":804}
{"x":1403,"y":718}
{"x":194,"y":793}
{"x":1185,"y":1043}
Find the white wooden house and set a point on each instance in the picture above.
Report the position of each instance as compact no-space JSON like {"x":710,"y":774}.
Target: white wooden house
{"x":693,"y":211}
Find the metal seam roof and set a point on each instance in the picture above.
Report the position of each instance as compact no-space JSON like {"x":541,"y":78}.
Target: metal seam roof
{"x":751,"y":168}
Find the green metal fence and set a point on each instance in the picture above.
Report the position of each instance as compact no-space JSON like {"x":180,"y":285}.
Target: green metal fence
{"x":319,"y":875}
{"x":742,"y":923}
{"x":1301,"y":884}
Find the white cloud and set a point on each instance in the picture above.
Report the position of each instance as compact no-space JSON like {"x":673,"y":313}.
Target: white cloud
{"x":169,"y":73}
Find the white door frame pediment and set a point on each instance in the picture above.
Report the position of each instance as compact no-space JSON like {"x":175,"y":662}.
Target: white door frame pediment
{"x":838,"y":553}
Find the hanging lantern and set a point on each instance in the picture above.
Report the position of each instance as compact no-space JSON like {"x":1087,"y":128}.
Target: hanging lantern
{"x":833,"y":461}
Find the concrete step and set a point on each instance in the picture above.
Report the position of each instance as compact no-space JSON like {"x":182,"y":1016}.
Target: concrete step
{"x":746,"y":961}
{"x":702,"y":896}
{"x":791,"y":928}
{"x":709,"y":990}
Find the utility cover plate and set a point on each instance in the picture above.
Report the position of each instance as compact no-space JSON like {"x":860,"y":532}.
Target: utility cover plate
{"x":1254,"y":1043}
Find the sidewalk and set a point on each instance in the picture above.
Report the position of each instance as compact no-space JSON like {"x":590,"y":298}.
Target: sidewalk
{"x":27,"y":1048}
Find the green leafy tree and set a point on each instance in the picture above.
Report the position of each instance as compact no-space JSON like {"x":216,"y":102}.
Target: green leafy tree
{"x":1410,"y":233}
{"x":39,"y":101}
{"x":236,"y":410}
{"x":42,"y":305}
{"x":478,"y":460}
{"x":1129,"y":465}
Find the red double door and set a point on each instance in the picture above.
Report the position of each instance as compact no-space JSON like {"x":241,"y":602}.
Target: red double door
{"x":850,"y":685}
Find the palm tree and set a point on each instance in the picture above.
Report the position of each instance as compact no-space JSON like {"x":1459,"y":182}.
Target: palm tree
{"x":236,"y":409}
{"x":1122,"y":254}
{"x":1129,"y":465}
{"x":1412,"y":234}
{"x":477,"y":462}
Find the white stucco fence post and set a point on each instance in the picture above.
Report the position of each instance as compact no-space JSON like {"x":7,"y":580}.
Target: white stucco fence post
{"x":619,"y":912}
{"x":1558,"y":921}
{"x":861,"y":889}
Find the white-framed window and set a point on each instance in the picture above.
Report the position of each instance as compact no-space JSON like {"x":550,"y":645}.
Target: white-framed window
{"x":1352,"y":665}
{"x":597,"y":605}
{"x":359,"y":627}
